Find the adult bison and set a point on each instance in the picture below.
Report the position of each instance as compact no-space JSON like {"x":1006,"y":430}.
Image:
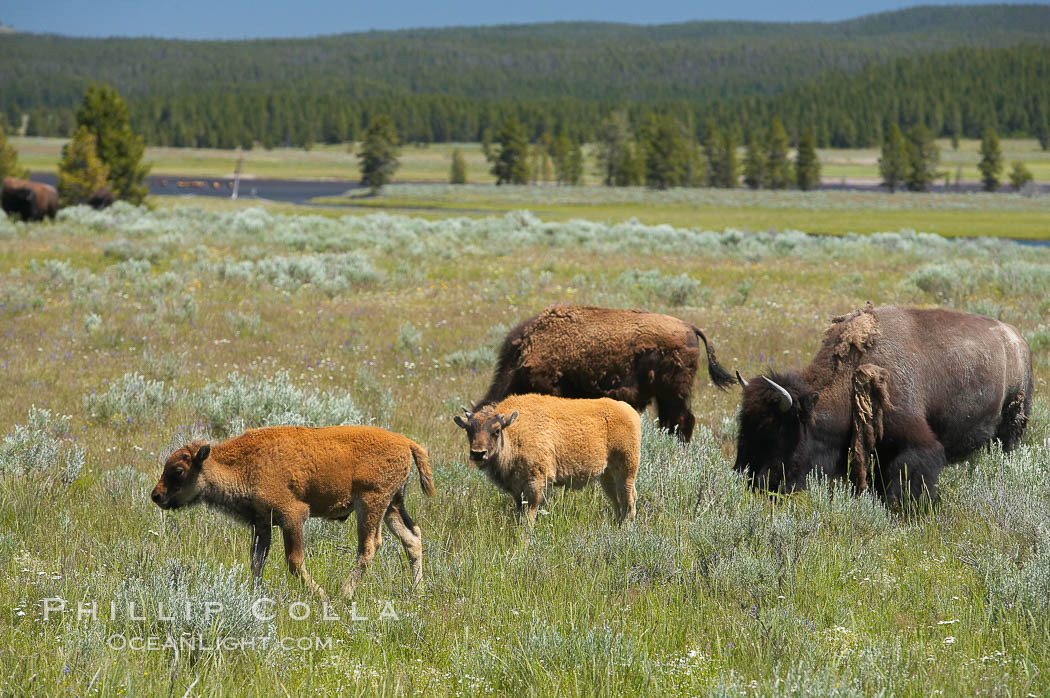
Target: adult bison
{"x":101,"y":198}
{"x":30,"y":200}
{"x":915,"y":388}
{"x":587,"y":352}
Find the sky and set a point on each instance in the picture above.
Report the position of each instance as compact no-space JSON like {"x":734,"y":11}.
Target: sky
{"x":238,"y":19}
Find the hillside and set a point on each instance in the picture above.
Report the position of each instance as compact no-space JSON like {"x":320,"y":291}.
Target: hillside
{"x":470,"y":75}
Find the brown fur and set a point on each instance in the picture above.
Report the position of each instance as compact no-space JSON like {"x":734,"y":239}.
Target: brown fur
{"x":30,"y":200}
{"x":527,"y":441}
{"x":280,"y":476}
{"x":588,"y":352}
{"x":101,"y":198}
{"x":921,"y":387}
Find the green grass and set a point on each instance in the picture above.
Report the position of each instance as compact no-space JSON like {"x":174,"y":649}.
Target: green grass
{"x":431,"y":163}
{"x":712,"y":590}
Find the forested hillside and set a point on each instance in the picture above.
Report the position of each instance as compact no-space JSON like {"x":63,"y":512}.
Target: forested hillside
{"x":452,"y":84}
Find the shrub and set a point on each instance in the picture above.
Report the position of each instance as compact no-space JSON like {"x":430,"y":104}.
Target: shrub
{"x":128,"y":399}
{"x":42,"y":447}
{"x":241,"y":402}
{"x":409,"y":339}
{"x":652,"y":286}
{"x":174,"y":599}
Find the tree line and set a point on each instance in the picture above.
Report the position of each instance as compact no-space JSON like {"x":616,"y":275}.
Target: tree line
{"x":956,"y":94}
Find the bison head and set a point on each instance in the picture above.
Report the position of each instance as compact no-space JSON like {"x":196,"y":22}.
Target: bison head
{"x":774,"y":446}
{"x":180,"y":482}
{"x":484,"y":432}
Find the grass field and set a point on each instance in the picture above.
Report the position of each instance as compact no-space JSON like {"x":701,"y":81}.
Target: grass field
{"x":431,"y":163}
{"x":147,"y":328}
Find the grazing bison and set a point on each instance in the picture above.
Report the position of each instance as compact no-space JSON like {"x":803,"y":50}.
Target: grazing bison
{"x":915,"y":388}
{"x":586,"y":352}
{"x":30,"y":200}
{"x":283,"y":475}
{"x":101,"y":198}
{"x":527,"y":441}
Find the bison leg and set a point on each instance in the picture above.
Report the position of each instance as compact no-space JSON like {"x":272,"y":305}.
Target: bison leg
{"x":531,"y":498}
{"x":401,"y":525}
{"x":261,"y":537}
{"x":369,"y":518}
{"x":608,"y":481}
{"x":293,"y":553}
{"x":674,"y":415}
{"x":1014,"y":420}
{"x":916,"y":467}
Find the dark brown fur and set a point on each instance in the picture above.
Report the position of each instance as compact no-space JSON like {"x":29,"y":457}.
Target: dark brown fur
{"x":30,"y":200}
{"x":587,"y":352}
{"x":280,"y":476}
{"x":892,"y":396}
{"x":101,"y":198}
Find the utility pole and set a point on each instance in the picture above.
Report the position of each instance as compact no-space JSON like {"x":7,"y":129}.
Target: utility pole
{"x":237,"y":174}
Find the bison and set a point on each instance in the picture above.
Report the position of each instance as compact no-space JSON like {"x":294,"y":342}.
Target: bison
{"x":30,"y":200}
{"x":892,"y":396}
{"x":283,"y":475}
{"x":558,"y":441}
{"x":101,"y":198}
{"x":587,"y":352}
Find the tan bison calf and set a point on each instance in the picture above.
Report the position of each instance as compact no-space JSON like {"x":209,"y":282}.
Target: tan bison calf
{"x":280,"y":476}
{"x":526,"y":441}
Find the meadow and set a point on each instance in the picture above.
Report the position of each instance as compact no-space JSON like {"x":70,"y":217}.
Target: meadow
{"x":129,"y":331}
{"x":431,"y":162}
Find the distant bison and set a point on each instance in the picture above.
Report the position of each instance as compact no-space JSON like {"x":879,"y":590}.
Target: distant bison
{"x":30,"y":200}
{"x":283,"y":475}
{"x":915,"y":388}
{"x":587,"y":352}
{"x":101,"y":198}
{"x":527,"y":441}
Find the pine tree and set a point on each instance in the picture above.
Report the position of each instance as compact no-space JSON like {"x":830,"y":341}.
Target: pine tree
{"x":568,"y":160}
{"x":991,"y":164}
{"x":893,"y":165}
{"x":9,"y":166}
{"x":618,"y":158}
{"x":754,"y":163}
{"x":713,"y":152}
{"x":666,"y":153}
{"x":1020,"y":176}
{"x":510,"y":159}
{"x":105,"y":115}
{"x":778,"y":167}
{"x":807,"y":165}
{"x":458,"y":172}
{"x":730,"y":163}
{"x":955,"y":124}
{"x":923,"y":158}
{"x":80,"y":171}
{"x":379,"y":151}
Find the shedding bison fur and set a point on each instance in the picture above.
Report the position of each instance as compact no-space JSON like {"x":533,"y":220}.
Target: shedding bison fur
{"x":587,"y":352}
{"x":892,"y":396}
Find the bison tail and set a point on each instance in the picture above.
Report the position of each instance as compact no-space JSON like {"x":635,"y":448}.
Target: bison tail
{"x":426,"y":475}
{"x":719,"y":376}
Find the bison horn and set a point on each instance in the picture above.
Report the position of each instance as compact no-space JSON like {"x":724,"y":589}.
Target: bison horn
{"x":465,"y":410}
{"x":785,"y":396}
{"x":740,"y":380}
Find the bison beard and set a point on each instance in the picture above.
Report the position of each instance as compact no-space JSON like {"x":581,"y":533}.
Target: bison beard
{"x":892,"y":396}
{"x":587,"y":352}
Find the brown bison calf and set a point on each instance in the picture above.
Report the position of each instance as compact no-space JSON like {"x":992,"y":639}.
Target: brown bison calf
{"x":283,"y":475}
{"x":557,"y":440}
